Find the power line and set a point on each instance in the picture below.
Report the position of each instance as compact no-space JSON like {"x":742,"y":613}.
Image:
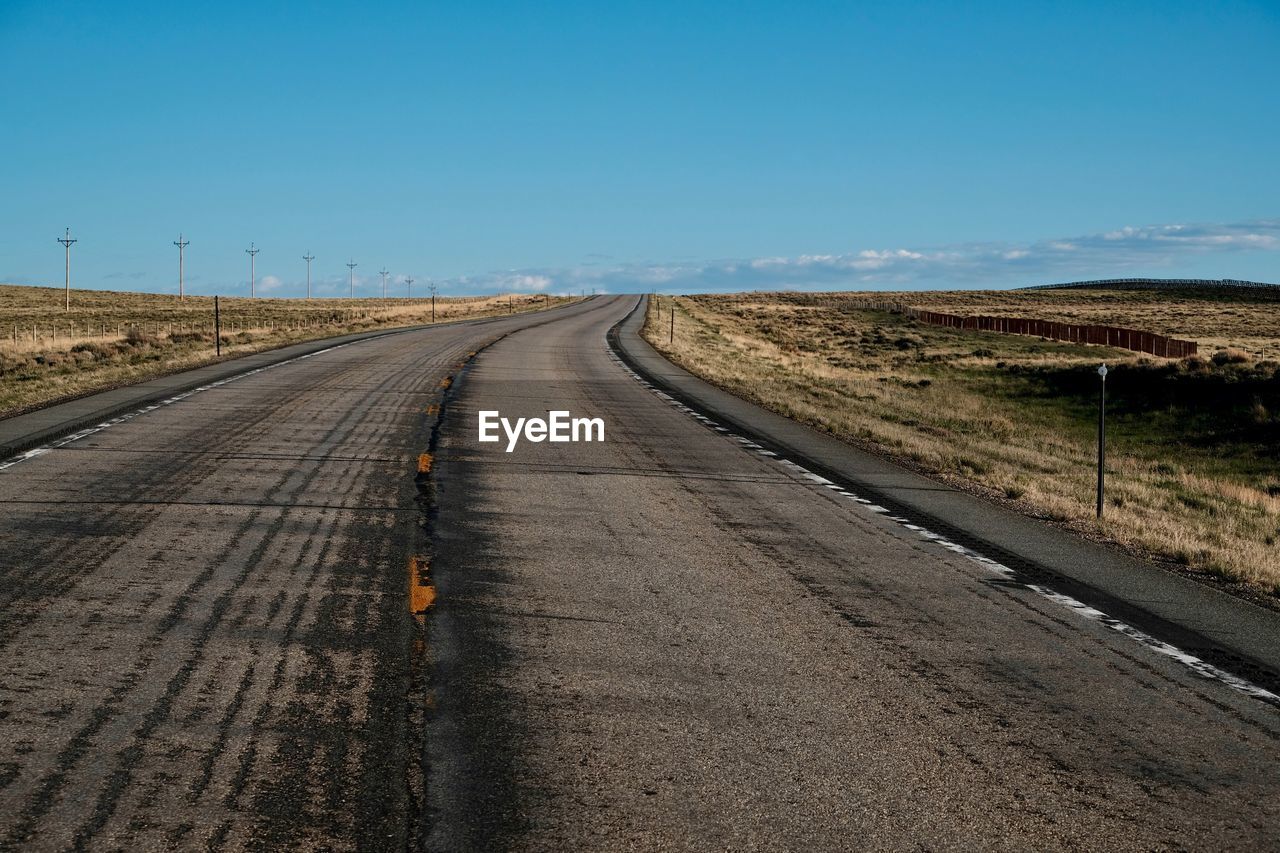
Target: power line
{"x":252,"y":252}
{"x":67,"y":241}
{"x":308,"y":257}
{"x":181,"y":244}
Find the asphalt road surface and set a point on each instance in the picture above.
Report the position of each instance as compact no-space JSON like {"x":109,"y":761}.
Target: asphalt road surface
{"x":667,"y":640}
{"x":204,"y":636}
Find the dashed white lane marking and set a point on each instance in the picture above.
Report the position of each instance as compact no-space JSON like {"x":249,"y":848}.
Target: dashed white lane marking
{"x":1200,"y":667}
{"x":128,"y":416}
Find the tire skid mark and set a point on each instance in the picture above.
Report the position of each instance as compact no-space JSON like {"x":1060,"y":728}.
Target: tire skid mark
{"x":277,"y":803}
{"x":280,"y":814}
{"x":126,"y":759}
{"x":162,"y":482}
{"x":101,"y":716}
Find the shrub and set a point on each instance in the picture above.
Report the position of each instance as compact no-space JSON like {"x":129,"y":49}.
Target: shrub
{"x":136,"y":337}
{"x":95,"y":350}
{"x":1230,"y":356}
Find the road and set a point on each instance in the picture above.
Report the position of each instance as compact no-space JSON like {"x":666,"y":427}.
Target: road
{"x":665,"y":640}
{"x":202,"y":611}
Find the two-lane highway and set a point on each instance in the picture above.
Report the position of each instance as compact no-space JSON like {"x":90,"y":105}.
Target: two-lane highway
{"x":670,"y":639}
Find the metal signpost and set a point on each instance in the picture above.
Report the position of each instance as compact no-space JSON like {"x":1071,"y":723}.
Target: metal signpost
{"x":1102,"y":434}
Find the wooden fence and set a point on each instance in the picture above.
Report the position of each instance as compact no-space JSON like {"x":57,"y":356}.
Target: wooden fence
{"x":1154,"y":284}
{"x":1112,"y":336}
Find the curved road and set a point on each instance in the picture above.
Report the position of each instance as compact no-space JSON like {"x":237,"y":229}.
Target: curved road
{"x":665,"y":640}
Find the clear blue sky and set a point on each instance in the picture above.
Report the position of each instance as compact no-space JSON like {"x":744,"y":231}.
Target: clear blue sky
{"x":667,"y":145}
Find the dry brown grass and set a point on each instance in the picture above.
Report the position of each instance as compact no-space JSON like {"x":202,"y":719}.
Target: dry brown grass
{"x":110,"y":338}
{"x":1193,"y":464}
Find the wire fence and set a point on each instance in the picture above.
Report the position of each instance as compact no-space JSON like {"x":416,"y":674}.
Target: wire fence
{"x":37,"y":335}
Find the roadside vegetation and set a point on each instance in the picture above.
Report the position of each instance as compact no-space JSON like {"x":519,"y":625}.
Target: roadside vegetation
{"x":109,"y":339}
{"x":1193,"y":445}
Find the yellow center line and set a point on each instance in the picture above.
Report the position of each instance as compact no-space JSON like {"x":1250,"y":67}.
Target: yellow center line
{"x":421,"y":593}
{"x":424,"y":463}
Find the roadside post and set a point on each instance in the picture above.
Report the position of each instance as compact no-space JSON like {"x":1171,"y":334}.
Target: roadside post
{"x":671,"y":337}
{"x":217,"y":328}
{"x":1102,"y":434}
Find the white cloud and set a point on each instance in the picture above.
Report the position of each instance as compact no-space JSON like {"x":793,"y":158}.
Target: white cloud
{"x":534,"y":283}
{"x":1119,"y":253}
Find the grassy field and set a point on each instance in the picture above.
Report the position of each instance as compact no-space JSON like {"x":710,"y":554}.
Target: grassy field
{"x":1193,"y":445}
{"x":109,"y":339}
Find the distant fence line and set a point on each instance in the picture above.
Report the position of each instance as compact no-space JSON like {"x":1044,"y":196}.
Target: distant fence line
{"x":53,"y":331}
{"x":1150,"y":284}
{"x":1112,"y":336}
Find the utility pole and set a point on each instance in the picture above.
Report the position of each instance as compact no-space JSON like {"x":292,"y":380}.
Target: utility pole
{"x":432,"y":285}
{"x":351,"y":278}
{"x":252,"y":252}
{"x":408,"y":280}
{"x":308,"y":257}
{"x":66,"y":241}
{"x":383,"y":272}
{"x":181,"y":244}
